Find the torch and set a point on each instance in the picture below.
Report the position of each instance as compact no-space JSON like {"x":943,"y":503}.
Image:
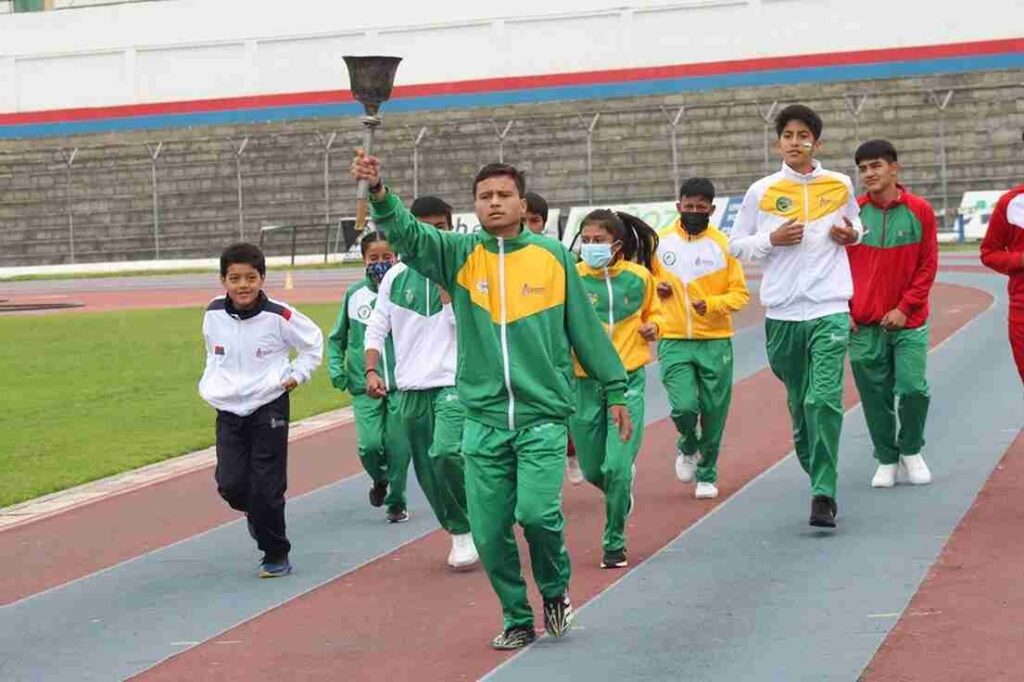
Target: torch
{"x":371,"y":81}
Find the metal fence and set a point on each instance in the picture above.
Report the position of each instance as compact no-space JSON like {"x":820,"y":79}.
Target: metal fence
{"x":177,"y":194}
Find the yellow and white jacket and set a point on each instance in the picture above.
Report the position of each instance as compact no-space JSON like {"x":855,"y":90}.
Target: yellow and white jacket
{"x":698,"y":268}
{"x":810,"y":279}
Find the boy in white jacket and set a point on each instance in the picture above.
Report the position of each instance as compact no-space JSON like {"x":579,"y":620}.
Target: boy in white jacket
{"x":247,"y":379}
{"x":418,"y":315}
{"x":797,"y":223}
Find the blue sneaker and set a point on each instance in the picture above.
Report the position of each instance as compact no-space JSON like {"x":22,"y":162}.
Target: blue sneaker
{"x":275,"y":568}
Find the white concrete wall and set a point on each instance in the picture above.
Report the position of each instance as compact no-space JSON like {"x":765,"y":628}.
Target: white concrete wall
{"x":199,"y":49}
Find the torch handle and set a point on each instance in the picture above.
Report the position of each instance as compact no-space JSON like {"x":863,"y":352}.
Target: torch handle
{"x":363,"y":188}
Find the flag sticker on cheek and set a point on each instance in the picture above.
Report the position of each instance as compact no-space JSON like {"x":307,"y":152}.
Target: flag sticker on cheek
{"x":218,"y":350}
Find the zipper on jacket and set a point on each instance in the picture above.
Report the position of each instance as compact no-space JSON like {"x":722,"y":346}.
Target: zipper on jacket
{"x":384,"y":363}
{"x":803,"y":252}
{"x":611,"y":305}
{"x":426,"y":286}
{"x":686,"y":308}
{"x":885,"y":214}
{"x":504,"y":335}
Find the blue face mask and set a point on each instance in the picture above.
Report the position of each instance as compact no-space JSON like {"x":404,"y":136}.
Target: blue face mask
{"x":596,"y":255}
{"x":375,"y":271}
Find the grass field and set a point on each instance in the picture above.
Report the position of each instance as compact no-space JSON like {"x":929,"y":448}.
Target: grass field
{"x":93,"y":394}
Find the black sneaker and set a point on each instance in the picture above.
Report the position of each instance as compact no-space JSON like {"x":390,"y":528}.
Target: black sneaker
{"x":275,"y":568}
{"x":377,"y":493}
{"x":823,"y":512}
{"x":516,"y":637}
{"x":614,"y":559}
{"x":558,"y":615}
{"x":252,"y":527}
{"x":398,"y":516}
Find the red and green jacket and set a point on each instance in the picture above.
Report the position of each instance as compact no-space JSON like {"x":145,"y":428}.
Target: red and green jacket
{"x":1003,"y":246}
{"x":894,"y":264}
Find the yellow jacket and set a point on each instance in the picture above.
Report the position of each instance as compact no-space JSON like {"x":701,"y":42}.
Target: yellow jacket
{"x":699,"y":269}
{"x":624,"y":298}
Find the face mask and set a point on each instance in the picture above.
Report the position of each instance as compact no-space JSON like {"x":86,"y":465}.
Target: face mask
{"x":596,"y":255}
{"x":375,"y":271}
{"x":694,"y":222}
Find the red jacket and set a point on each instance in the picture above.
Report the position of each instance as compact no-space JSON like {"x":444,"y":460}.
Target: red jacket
{"x":1003,"y":246}
{"x":894,"y":265}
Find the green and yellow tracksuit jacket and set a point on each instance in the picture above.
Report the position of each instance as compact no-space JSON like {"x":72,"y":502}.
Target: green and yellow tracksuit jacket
{"x":520,"y":312}
{"x":624,"y":298}
{"x":345,"y":345}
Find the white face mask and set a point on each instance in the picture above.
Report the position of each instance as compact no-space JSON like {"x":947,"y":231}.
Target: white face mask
{"x":596,"y":255}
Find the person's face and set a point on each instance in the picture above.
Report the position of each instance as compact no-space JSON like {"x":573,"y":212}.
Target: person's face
{"x":243,"y":283}
{"x":695,"y":205}
{"x":534,"y":222}
{"x":594,"y":233}
{"x":878,"y":175}
{"x":439,"y":221}
{"x":797,"y":144}
{"x":379,"y":252}
{"x":498,"y":204}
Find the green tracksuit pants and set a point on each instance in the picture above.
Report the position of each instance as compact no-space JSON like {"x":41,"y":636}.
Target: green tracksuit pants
{"x":697,"y":374}
{"x":808,"y":357}
{"x":372,"y":423}
{"x":427,"y":428}
{"x":889,"y":369}
{"x":606,"y":461}
{"x":517,"y":476}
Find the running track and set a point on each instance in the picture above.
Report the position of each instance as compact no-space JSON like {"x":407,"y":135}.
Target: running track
{"x":159,"y":582}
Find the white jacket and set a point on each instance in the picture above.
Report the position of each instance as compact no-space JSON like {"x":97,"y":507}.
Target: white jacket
{"x":422,"y":330}
{"x":811,"y":279}
{"x":247,"y":353}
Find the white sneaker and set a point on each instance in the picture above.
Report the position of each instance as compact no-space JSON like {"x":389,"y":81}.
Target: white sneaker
{"x":573,"y":471}
{"x":885,"y":476}
{"x":463,"y":552}
{"x":686,"y":467}
{"x":706,"y":491}
{"x":917,"y":470}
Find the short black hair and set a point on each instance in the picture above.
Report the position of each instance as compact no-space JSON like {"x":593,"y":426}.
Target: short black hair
{"x":245,"y":253}
{"x":802,"y":113}
{"x":371,"y":238}
{"x":424,"y":206}
{"x":535,"y":203}
{"x":497,"y":170}
{"x":875,"y":149}
{"x":697,"y":187}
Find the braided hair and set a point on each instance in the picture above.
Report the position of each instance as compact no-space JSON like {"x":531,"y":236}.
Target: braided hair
{"x":639,"y":240}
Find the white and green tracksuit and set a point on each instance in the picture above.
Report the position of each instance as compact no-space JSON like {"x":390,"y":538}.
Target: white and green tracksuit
{"x":806,"y":290}
{"x":520,"y":311}
{"x":347,"y":368}
{"x":429,"y":421}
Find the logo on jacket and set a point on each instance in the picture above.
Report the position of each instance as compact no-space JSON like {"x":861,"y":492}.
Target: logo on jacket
{"x":532,"y":291}
{"x":363,"y":312}
{"x":593,"y":299}
{"x":783,"y":204}
{"x":669,"y":258}
{"x":218,"y":350}
{"x":260,"y":353}
{"x":483,"y":287}
{"x":698,"y":261}
{"x":409,"y":295}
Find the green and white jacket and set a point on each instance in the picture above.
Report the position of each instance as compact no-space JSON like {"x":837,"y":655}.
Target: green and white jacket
{"x":345,"y":344}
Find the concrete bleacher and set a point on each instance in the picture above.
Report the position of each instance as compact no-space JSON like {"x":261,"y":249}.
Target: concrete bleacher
{"x":720,"y":135}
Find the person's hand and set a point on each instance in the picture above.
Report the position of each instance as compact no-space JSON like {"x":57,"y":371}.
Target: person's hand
{"x":893,"y":320}
{"x":649,"y":331}
{"x":843,"y":234}
{"x":853,"y":325}
{"x":789,"y":233}
{"x":620,"y":417}
{"x":365,"y":167}
{"x":375,"y":387}
{"x":701,"y":307}
{"x":289,"y":384}
{"x":664,"y":290}
{"x":445,"y":296}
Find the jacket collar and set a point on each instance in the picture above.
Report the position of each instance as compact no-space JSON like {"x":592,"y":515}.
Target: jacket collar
{"x":901,"y":198}
{"x":261,"y":303}
{"x":790,"y":174}
{"x":677,"y":226}
{"x":613,"y":269}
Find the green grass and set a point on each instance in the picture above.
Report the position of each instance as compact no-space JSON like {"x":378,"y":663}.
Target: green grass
{"x":170,"y":271}
{"x":88,"y":395}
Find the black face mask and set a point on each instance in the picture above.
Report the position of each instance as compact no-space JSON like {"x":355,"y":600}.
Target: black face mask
{"x":694,"y":222}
